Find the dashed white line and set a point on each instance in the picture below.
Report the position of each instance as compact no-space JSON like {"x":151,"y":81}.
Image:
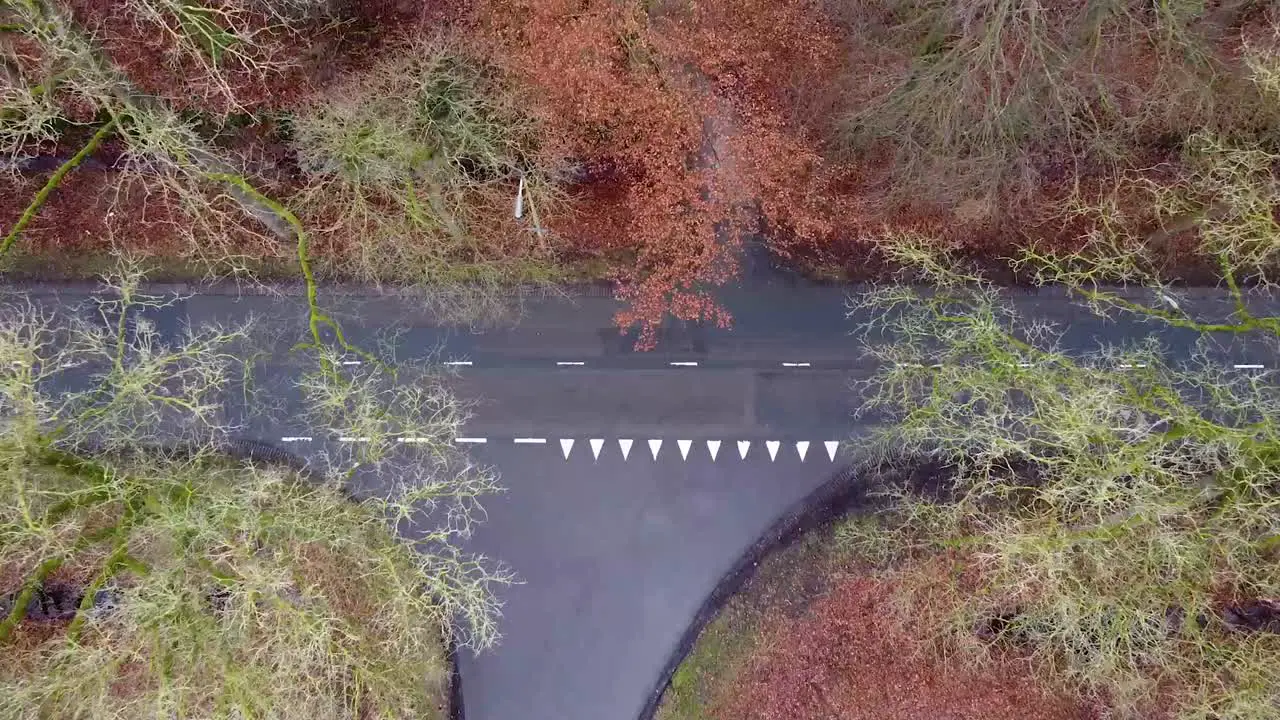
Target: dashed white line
{"x":1249,"y":366}
{"x":351,"y":439}
{"x":530,"y":441}
{"x":459,"y":363}
{"x":1127,"y":366}
{"x":562,"y":363}
{"x":414,"y":440}
{"x":296,"y":438}
{"x":472,"y":440}
{"x":687,"y":363}
{"x":351,"y":362}
{"x":796,"y":365}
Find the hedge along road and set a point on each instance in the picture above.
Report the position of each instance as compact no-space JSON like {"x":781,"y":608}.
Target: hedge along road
{"x":635,"y":479}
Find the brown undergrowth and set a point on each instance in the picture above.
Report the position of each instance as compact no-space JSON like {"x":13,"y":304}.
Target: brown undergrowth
{"x":850,"y":658}
{"x":676,"y":131}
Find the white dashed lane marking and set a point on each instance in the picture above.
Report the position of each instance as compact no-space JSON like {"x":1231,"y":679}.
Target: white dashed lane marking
{"x":694,"y":364}
{"x":597,"y":445}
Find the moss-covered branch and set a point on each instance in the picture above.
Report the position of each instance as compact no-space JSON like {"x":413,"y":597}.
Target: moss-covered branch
{"x":52,"y":184}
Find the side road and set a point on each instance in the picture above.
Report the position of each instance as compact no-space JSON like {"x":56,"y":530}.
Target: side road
{"x":619,"y":548}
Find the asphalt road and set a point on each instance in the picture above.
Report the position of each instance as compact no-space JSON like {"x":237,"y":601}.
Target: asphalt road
{"x":616,"y":557}
{"x":615,"y":552}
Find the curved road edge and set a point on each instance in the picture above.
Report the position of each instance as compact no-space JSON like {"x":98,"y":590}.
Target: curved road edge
{"x":834,"y":499}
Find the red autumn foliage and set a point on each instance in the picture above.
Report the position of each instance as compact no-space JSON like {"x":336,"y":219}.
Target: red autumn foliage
{"x":692,"y":108}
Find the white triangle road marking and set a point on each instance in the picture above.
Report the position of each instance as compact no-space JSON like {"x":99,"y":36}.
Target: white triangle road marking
{"x":654,"y":447}
{"x":566,"y":446}
{"x":743,"y":447}
{"x":773,"y":449}
{"x":831,"y":449}
{"x":713,"y":447}
{"x":625,"y":447}
{"x":596,"y":444}
{"x":802,"y":448}
{"x":684,"y":448}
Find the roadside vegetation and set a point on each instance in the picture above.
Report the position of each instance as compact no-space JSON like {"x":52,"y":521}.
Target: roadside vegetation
{"x":1112,"y":516}
{"x":150,"y":563}
{"x":1095,"y":524}
{"x":414,"y":169}
{"x":418,"y":170}
{"x":460,"y":152}
{"x":1106,"y":517}
{"x":813,"y":634}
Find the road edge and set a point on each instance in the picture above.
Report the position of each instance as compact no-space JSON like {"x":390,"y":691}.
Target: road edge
{"x":845,"y":492}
